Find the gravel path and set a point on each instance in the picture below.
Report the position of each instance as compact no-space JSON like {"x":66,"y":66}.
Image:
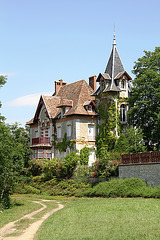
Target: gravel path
{"x":28,"y":233}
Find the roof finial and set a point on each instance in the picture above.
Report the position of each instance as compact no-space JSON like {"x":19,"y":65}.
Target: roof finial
{"x":114,"y":37}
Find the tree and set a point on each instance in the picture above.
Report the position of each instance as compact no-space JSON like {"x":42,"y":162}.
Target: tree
{"x":130,"y":142}
{"x":14,"y":156}
{"x":144,"y":102}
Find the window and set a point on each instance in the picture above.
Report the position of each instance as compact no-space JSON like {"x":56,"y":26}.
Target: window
{"x":59,"y":134}
{"x":91,"y":133}
{"x":66,"y":109}
{"x":123,"y":111}
{"x":123,"y":84}
{"x":68,"y":132}
{"x":90,"y":108}
{"x":42,"y":154}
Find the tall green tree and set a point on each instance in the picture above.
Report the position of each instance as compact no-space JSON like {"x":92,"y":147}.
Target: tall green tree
{"x":14,"y":155}
{"x":130,"y":142}
{"x":144,"y":102}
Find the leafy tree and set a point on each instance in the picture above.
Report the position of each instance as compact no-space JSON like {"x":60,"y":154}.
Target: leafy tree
{"x":130,"y":142}
{"x":14,"y":156}
{"x":144,"y":103}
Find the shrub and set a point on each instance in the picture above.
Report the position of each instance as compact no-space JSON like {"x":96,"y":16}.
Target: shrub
{"x":68,"y":187}
{"x":36,"y":166}
{"x":81,"y":173}
{"x":133,"y":187}
{"x":104,"y":169}
{"x":22,"y":188}
{"x":61,"y":168}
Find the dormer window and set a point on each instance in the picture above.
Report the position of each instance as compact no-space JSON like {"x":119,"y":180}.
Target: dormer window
{"x":90,"y":108}
{"x":67,"y":109}
{"x":123,"y":84}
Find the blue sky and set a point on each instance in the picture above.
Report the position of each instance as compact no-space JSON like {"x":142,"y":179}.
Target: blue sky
{"x":45,"y":40}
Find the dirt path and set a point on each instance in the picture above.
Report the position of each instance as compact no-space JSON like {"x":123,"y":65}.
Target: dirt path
{"x":28,"y":233}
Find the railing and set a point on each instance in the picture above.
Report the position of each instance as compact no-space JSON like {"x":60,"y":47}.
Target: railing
{"x":136,"y":158}
{"x":40,"y":140}
{"x":91,"y":138}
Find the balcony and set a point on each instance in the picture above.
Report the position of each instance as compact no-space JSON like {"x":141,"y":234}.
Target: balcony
{"x":40,"y":140}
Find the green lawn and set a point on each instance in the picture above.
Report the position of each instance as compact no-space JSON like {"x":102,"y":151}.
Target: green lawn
{"x":113,"y":218}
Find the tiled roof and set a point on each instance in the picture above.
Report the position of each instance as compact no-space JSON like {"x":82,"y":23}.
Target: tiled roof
{"x":73,"y":95}
{"x":79,"y":92}
{"x":65,"y":103}
{"x":51,"y":103}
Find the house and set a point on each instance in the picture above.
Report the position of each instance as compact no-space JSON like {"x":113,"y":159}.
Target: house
{"x":69,"y":116}
{"x":68,"y":119}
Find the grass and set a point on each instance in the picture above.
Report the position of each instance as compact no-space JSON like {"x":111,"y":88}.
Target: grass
{"x":19,"y":208}
{"x":22,"y":205}
{"x":109,"y":219}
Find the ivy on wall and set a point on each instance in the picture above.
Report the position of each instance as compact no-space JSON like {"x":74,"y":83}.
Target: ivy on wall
{"x":109,"y":125}
{"x":62,"y":146}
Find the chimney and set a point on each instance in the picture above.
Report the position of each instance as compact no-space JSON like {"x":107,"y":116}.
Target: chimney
{"x":92,"y":82}
{"x":59,"y":84}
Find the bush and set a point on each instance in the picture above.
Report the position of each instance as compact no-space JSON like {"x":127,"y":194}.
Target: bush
{"x":22,"y":188}
{"x":104,"y":169}
{"x":68,"y":187}
{"x":36,"y":166}
{"x":133,"y":187}
{"x":81,"y":173}
{"x":61,"y":168}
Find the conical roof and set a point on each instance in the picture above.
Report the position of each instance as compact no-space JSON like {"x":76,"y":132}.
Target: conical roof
{"x":114,"y":65}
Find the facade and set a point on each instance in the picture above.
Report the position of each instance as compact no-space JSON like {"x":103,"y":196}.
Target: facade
{"x":69,"y":115}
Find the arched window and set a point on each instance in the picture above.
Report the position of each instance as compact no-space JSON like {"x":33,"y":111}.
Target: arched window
{"x":123,"y":113}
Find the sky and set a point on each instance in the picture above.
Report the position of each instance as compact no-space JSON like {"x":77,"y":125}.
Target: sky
{"x":43,"y":41}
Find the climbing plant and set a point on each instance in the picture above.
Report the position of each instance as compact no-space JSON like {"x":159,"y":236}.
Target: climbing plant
{"x":109,"y":122}
{"x":84,"y":155}
{"x":62,"y":146}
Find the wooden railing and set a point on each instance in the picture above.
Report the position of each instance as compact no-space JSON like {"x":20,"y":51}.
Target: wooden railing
{"x":40,"y":140}
{"x":136,"y":158}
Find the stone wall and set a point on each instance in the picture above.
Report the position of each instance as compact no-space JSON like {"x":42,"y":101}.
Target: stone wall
{"x":149,"y":172}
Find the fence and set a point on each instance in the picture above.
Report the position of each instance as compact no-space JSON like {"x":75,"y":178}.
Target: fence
{"x":136,"y":158}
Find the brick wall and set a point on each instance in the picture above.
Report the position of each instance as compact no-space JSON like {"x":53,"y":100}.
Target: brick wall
{"x":149,"y":172}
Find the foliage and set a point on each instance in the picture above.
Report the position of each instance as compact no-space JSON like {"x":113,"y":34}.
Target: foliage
{"x":104,"y":169}
{"x":61,"y":168}
{"x":84,"y":155}
{"x":14,"y":155}
{"x":22,"y":188}
{"x":144,"y":102}
{"x":130,"y":142}
{"x":68,"y":187}
{"x":36,"y":166}
{"x":81,"y":173}
{"x":109,"y":121}
{"x":132,"y":187}
{"x":62,"y":146}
